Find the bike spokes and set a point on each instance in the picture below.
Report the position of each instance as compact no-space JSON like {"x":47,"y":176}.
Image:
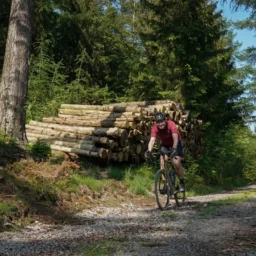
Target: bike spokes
{"x":179,"y":195}
{"x":162,"y":190}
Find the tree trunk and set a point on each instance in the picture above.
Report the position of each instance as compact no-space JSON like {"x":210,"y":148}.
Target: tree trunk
{"x":14,"y":83}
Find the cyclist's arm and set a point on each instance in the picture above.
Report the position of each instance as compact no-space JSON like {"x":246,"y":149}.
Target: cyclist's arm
{"x":175,"y":140}
{"x":151,"y":144}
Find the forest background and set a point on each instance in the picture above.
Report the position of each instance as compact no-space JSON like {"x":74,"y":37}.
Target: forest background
{"x":103,"y":51}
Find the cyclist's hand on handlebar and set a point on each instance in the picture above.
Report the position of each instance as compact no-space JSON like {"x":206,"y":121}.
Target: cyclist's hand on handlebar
{"x":173,"y":152}
{"x":148,"y":155}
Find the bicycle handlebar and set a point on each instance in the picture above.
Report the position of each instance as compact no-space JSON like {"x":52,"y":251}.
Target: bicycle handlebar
{"x":158,"y":153}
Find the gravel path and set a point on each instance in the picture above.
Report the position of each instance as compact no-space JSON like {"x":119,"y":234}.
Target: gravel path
{"x":196,"y":229}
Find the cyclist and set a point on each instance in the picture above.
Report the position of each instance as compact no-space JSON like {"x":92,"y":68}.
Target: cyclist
{"x":171,"y":144}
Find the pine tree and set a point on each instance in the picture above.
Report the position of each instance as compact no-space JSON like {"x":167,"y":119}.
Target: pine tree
{"x":189,"y":55}
{"x":248,"y":56}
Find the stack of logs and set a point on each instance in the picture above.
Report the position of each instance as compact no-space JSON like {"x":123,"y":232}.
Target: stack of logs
{"x":118,"y":132}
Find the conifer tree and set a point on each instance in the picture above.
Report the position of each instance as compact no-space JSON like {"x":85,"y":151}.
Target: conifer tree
{"x":96,"y":30}
{"x":187,"y":47}
{"x":248,"y":56}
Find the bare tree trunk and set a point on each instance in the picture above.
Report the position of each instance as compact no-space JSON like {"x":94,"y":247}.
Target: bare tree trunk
{"x":14,"y":84}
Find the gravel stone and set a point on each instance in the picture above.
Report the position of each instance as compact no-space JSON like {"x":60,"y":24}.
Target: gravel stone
{"x":146,"y":231}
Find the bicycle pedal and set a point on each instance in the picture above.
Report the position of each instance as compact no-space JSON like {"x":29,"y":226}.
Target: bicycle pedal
{"x":176,"y":191}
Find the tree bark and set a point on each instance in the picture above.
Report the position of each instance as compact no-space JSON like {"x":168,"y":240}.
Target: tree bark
{"x":14,"y":83}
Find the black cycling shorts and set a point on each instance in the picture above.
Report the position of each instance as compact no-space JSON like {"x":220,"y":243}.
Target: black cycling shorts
{"x":166,"y":149}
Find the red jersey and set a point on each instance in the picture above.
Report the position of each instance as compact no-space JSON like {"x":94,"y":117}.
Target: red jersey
{"x":165,"y":134}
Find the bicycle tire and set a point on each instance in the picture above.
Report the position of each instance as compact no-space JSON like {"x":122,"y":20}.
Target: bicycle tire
{"x":161,"y":182}
{"x":179,"y":196}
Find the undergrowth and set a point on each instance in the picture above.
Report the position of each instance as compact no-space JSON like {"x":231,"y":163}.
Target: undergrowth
{"x":76,"y":179}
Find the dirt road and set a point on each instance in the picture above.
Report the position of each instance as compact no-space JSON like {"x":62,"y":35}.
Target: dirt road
{"x":199,"y":228}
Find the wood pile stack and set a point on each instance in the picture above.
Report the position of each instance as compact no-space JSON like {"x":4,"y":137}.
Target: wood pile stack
{"x":118,"y":132}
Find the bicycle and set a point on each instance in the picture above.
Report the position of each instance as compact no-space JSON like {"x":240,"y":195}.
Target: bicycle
{"x":167,"y":185}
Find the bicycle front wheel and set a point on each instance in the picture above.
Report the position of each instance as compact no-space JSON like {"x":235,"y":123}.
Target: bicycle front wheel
{"x":162,"y":189}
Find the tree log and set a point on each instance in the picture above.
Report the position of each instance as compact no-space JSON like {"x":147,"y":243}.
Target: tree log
{"x":114,"y":132}
{"x":90,"y":123}
{"x":64,"y":135}
{"x":99,"y":153}
{"x":101,"y":117}
{"x":118,"y":109}
{"x":142,"y":103}
{"x":85,"y":122}
{"x":30,"y":133}
{"x":82,"y":112}
{"x":64,"y":143}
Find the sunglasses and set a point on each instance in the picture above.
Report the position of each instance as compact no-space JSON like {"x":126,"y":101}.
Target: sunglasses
{"x":161,"y":122}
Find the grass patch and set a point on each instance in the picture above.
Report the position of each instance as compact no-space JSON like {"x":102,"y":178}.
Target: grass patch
{"x":75,"y":179}
{"x":6,"y":141}
{"x":239,"y":198}
{"x":207,"y":211}
{"x":117,"y":173}
{"x":56,"y":158}
{"x":41,"y":189}
{"x":139,"y":185}
{"x":171,"y":215}
{"x":139,"y":180}
{"x":201,"y":189}
{"x":101,"y":248}
{"x":90,"y":182}
{"x":6,"y":209}
{"x":39,"y":150}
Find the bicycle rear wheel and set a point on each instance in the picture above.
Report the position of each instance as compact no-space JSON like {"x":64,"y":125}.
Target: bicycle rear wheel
{"x":179,"y":196}
{"x":162,"y":190}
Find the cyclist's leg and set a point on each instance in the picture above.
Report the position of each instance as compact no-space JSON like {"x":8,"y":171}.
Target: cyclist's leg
{"x":177,"y":164}
{"x":161,"y":162}
{"x":177,"y":161}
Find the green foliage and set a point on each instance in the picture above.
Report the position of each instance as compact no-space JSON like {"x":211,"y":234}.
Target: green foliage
{"x":229,"y":155}
{"x":236,"y":199}
{"x":249,"y":170}
{"x":101,"y":248}
{"x":77,"y":178}
{"x":6,"y":209}
{"x":191,"y":171}
{"x":41,"y":189}
{"x":116,"y":172}
{"x":93,"y":53}
{"x":7,"y":212}
{"x":46,"y":83}
{"x":91,"y":183}
{"x":39,"y":150}
{"x":170,"y":215}
{"x":7,"y":142}
{"x":79,"y":93}
{"x":208,"y":211}
{"x":56,"y":159}
{"x":188,"y":52}
{"x":140,"y":180}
